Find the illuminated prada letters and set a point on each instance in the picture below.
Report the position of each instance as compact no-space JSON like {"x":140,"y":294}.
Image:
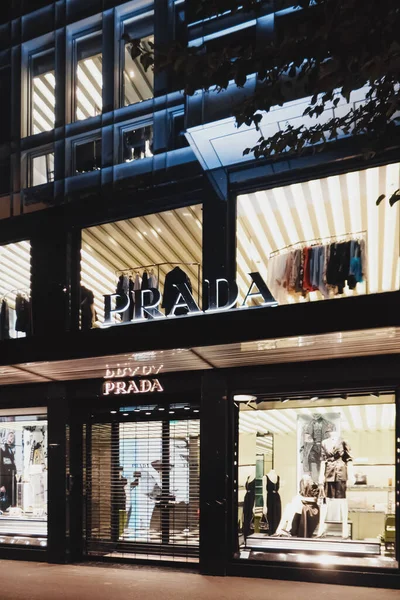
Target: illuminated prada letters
{"x":146,"y":302}
{"x":142,"y":386}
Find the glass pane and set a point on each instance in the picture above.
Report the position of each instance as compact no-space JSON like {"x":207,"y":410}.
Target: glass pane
{"x":149,"y":252}
{"x":43,"y":98}
{"x":23,"y":480}
{"x":137,"y":143}
{"x":15,"y":290}
{"x":88,"y":156}
{"x":321,"y":239}
{"x":42,"y":169}
{"x":89,"y":79}
{"x":316,"y":480}
{"x":138,"y":83}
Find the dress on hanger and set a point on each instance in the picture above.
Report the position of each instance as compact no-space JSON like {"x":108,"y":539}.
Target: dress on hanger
{"x":248,"y":505}
{"x":274,"y":506}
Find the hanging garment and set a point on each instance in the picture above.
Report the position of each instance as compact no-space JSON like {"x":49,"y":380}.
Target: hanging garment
{"x":153,"y":281}
{"x":313,"y":434}
{"x":274,"y":506}
{"x":88,"y":315}
{"x":338,"y":265}
{"x":177,"y":275}
{"x":305,"y":523}
{"x":145,"y":281}
{"x":4,"y":321}
{"x":122,"y":291}
{"x":336,"y":457}
{"x":132,"y":298}
{"x":248,"y":506}
{"x":137,"y":285}
{"x":355,"y":269}
{"x":23,"y":312}
{"x":307,"y":285}
{"x":275,"y":274}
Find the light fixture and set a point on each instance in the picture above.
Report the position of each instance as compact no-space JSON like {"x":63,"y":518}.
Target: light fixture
{"x":314,"y":398}
{"x":148,"y":413}
{"x":113,"y":412}
{"x":187,"y":408}
{"x":244,"y":398}
{"x":131,"y":73}
{"x":285,"y":400}
{"x":196,"y":410}
{"x":375,"y":394}
{"x":171,"y":412}
{"x":161,"y":408}
{"x":125,"y":414}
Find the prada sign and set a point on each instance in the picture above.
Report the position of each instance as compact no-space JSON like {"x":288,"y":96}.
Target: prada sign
{"x":132,"y":386}
{"x":146,"y":302}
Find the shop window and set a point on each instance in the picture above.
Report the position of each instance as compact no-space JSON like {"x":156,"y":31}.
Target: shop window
{"x":42,"y":169}
{"x":137,"y":143}
{"x":23,"y":477}
{"x":88,"y":77}
{"x":144,"y":481}
{"x":321,"y":239}
{"x":138,"y":82}
{"x":152,"y":251}
{"x":42,"y":92}
{"x":87,"y":156}
{"x":316,"y":479}
{"x":15,"y":291}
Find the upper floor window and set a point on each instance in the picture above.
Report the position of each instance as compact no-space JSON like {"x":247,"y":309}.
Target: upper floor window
{"x":41,"y":169}
{"x":137,"y":82}
{"x":88,"y":76}
{"x":42,"y":92}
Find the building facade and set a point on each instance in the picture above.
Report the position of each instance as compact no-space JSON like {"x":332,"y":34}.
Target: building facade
{"x":199,"y":351}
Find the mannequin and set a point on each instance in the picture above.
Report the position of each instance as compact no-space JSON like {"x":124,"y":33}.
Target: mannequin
{"x":272,"y":507}
{"x":336,"y":470}
{"x":248,"y":505}
{"x":291,"y":519}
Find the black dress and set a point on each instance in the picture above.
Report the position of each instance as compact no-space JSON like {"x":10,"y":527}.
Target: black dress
{"x":248,"y":506}
{"x":274,"y":507}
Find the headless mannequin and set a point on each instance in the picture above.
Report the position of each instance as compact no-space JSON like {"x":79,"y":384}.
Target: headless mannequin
{"x":328,"y":446}
{"x":295,"y":506}
{"x":273,"y":476}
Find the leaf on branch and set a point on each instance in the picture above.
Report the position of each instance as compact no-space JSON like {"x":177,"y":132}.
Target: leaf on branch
{"x":381,"y":197}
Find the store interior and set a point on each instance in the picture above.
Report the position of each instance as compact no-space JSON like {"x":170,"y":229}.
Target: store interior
{"x":132,"y":254}
{"x":23,"y":477}
{"x":316,"y":479}
{"x":333,"y":223}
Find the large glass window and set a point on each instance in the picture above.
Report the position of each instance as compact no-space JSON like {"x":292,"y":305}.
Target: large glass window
{"x":321,"y":239}
{"x":137,"y":142}
{"x":87,"y":155}
{"x":138,"y":82}
{"x":88,"y":77}
{"x":154,"y":251}
{"x":316,"y":479}
{"x":15,"y":290}
{"x":23,"y":477}
{"x":42,"y":92}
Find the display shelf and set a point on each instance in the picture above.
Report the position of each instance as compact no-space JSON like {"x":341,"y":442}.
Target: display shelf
{"x":370,"y":488}
{"x":367,"y":510}
{"x":342,"y":547}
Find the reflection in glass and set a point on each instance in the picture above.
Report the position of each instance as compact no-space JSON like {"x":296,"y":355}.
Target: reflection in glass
{"x":138,"y":83}
{"x":42,"y":169}
{"x":137,"y":143}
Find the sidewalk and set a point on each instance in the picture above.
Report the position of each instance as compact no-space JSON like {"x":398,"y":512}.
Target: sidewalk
{"x":40,"y":581}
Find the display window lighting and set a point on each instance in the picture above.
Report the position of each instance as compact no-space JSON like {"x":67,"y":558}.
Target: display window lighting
{"x":244,"y":398}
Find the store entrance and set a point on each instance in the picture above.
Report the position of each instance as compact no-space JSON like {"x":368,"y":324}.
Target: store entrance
{"x":142,"y":483}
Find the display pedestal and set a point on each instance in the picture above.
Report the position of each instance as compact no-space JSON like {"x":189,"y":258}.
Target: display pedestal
{"x":287,"y":544}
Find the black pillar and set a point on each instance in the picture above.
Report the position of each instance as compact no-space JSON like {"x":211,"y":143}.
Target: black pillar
{"x":51,"y":252}
{"x":57,"y":480}
{"x":75,"y":487}
{"x":214,"y":479}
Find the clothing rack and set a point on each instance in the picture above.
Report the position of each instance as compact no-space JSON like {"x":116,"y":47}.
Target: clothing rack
{"x":16,"y":291}
{"x":157,"y":266}
{"x":321,"y":241}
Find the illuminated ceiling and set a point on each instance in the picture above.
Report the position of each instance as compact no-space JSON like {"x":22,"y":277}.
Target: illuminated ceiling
{"x":171,"y":236}
{"x":264,"y":352}
{"x":331,"y":208}
{"x":138,"y":83}
{"x":365,"y":413}
{"x":89,"y":87}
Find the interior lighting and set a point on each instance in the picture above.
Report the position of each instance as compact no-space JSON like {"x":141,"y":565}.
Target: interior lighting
{"x":244,"y":398}
{"x":125,"y":414}
{"x":113,"y":412}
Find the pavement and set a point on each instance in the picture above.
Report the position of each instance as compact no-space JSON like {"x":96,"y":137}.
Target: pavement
{"x":33,"y":581}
